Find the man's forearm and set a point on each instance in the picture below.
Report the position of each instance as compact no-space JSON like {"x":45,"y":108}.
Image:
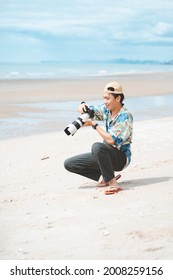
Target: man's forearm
{"x":105,"y":135}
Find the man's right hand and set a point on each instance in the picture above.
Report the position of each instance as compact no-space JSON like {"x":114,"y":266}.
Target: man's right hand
{"x":82,"y":108}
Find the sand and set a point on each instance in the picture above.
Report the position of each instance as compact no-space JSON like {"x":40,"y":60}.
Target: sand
{"x":13,"y":93}
{"x":49,"y":213}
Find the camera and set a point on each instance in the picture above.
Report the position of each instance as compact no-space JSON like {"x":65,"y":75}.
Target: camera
{"x":74,"y":126}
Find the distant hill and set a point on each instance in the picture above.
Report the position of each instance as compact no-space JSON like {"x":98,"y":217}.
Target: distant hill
{"x":128,"y":61}
{"x":113,"y":61}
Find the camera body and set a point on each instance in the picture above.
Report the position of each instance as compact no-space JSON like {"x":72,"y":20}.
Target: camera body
{"x":79,"y":122}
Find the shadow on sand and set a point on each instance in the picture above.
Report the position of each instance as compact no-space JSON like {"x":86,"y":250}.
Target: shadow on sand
{"x":133,"y":183}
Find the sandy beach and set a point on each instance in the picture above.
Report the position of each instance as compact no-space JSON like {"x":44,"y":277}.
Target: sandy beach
{"x":22,"y":91}
{"x":48,"y":213}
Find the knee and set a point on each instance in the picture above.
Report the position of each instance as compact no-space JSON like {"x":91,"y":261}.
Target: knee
{"x":67,"y":164}
{"x":96,"y":148}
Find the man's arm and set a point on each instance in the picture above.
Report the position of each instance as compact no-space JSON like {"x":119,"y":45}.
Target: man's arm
{"x":105,"y":135}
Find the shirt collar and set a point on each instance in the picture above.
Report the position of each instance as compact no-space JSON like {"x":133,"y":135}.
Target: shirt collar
{"x":120,"y":111}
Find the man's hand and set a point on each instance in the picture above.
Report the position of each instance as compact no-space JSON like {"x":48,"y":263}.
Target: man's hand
{"x":89,"y":123}
{"x":82,"y":108}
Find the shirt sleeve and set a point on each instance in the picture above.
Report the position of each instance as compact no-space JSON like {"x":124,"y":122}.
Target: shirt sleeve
{"x":98,"y":112}
{"x":121,"y":130}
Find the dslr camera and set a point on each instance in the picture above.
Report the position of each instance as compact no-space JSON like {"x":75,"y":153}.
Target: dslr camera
{"x":79,"y":122}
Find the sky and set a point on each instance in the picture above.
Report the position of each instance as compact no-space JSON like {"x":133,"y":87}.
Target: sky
{"x":85,"y":30}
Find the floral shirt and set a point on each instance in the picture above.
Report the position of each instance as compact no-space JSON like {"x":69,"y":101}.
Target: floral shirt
{"x":120,"y":127}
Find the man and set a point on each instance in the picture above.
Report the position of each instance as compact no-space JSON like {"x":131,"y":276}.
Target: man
{"x":114,"y":154}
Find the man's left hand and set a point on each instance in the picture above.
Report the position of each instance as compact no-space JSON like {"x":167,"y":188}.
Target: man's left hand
{"x":89,"y":123}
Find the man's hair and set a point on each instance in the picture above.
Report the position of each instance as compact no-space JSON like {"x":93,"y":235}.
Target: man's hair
{"x":121,"y":97}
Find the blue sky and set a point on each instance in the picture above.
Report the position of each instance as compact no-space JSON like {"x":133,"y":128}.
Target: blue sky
{"x":76,"y":30}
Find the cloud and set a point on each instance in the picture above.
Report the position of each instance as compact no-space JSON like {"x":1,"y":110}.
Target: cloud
{"x":163,"y":29}
{"x":83,"y":24}
{"x":27,"y":39}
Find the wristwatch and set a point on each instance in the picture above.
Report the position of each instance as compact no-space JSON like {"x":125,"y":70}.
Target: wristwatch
{"x":94,"y":126}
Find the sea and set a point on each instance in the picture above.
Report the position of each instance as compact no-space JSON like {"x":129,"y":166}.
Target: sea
{"x":55,"y":116}
{"x":75,"y":70}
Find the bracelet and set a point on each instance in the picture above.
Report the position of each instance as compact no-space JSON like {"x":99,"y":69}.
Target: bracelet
{"x":95,"y":126}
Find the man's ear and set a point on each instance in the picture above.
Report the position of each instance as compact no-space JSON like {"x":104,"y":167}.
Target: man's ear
{"x":118,"y":99}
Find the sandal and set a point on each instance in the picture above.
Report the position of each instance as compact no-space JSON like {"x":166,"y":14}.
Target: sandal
{"x":112,"y":190}
{"x":103,"y":184}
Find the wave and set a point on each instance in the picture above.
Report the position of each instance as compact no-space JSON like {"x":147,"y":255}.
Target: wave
{"x":63,"y":71}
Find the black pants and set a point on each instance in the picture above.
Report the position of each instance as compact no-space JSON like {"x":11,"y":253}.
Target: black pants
{"x":103,"y":160}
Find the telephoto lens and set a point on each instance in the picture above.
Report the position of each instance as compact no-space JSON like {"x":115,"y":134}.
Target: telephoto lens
{"x":79,"y":122}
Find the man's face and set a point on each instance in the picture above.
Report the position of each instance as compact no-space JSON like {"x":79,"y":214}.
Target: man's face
{"x":110,"y":101}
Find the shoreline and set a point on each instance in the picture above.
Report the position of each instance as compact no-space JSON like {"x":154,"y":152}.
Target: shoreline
{"x":46,"y":117}
{"x":50,"y":90}
{"x":27,"y":106}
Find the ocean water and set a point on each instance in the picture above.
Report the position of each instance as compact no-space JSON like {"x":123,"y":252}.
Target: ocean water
{"x":74,"y":70}
{"x":55,"y":116}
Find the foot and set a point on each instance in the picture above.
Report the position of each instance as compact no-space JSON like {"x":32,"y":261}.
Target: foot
{"x":113,"y":187}
{"x":103,"y":184}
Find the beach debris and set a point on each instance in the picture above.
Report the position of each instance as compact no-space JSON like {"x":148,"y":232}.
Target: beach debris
{"x":8,"y":200}
{"x":44,"y":158}
{"x":49,"y":225}
{"x":20,"y":250}
{"x":154,"y":249}
{"x":106,"y":232}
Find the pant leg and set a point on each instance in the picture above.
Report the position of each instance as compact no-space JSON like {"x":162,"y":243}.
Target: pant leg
{"x":109,"y":159}
{"x":85,"y":165}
